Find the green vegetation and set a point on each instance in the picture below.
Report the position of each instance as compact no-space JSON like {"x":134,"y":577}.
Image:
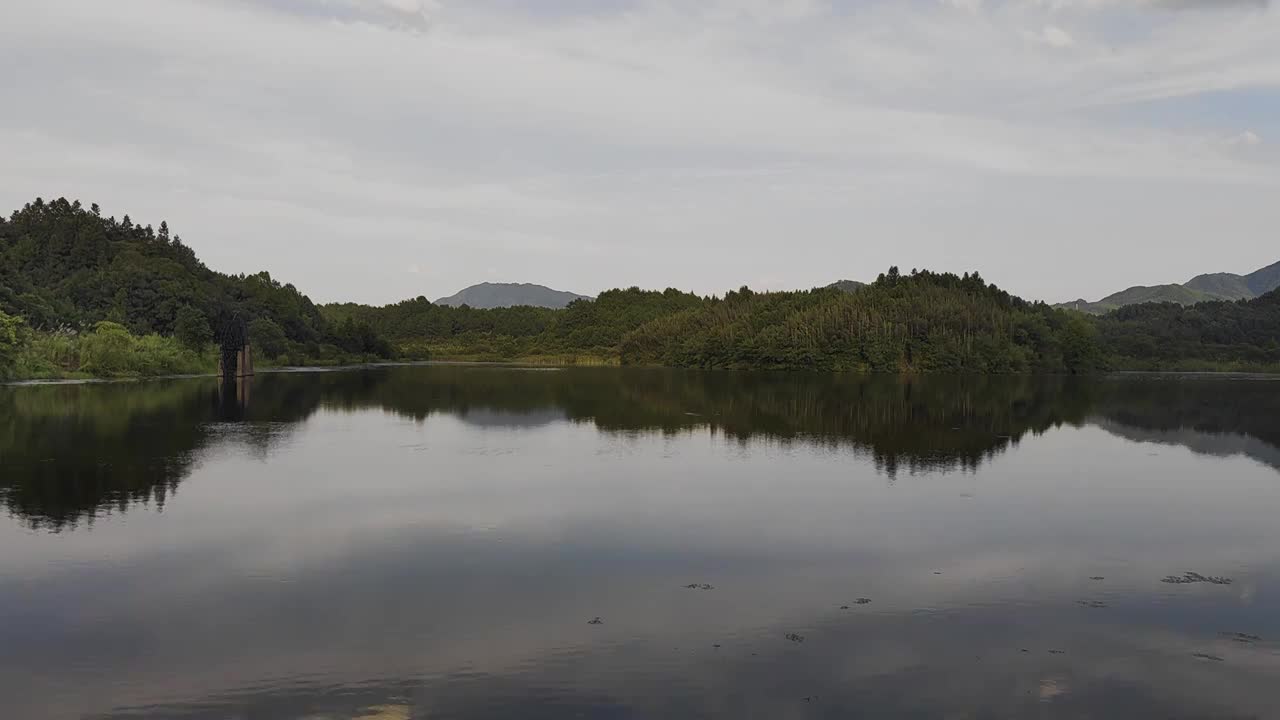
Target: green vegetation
{"x":65,"y":269}
{"x":925,"y":322}
{"x":922,"y":322}
{"x":1240,"y":335}
{"x":586,"y":331}
{"x":108,"y":350}
{"x":81,"y":295}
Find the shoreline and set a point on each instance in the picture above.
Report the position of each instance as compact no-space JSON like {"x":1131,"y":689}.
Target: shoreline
{"x":541,"y":363}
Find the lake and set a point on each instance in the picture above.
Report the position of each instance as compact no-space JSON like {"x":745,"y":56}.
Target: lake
{"x":455,"y":541}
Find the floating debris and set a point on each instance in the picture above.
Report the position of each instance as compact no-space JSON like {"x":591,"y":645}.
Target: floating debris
{"x":1057,"y":652}
{"x":1097,"y":577}
{"x":1025,"y":650}
{"x":1189,"y":578}
{"x":1091,"y":603}
{"x":1241,"y":637}
{"x":700,"y":586}
{"x":937,"y":572}
{"x":716,"y":645}
{"x":1207,"y":656}
{"x":595,"y":621}
{"x":844,"y":607}
{"x":862,"y":601}
{"x":795,"y":638}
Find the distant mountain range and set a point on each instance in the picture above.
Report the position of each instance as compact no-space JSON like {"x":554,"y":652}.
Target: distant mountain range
{"x":1201,"y":288}
{"x":495,"y":295}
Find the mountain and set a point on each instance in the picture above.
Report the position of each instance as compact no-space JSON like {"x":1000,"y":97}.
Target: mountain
{"x":1201,"y":288}
{"x":487,"y":296}
{"x":1225,"y":286}
{"x":1264,"y":280}
{"x":847,"y":285}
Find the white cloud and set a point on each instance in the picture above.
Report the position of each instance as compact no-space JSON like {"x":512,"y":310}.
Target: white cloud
{"x":1248,"y":138}
{"x":1057,"y":37}
{"x":586,"y":149}
{"x":409,"y":7}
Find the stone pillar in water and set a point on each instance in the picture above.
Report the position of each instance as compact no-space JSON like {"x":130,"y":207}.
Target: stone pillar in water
{"x":243,"y":360}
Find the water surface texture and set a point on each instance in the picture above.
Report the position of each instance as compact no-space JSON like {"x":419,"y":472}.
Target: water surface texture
{"x":483,"y":542}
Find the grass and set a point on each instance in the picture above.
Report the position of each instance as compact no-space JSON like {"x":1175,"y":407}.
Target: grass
{"x":109,"y":351}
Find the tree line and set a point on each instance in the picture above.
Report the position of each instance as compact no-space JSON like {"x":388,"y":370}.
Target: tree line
{"x":93,"y":294}
{"x":72,"y":279}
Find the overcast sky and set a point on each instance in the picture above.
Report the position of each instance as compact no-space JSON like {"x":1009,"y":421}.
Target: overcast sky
{"x":374,"y":150}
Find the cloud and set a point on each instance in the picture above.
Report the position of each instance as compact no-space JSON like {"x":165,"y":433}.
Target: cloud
{"x":1248,"y":138}
{"x":579,"y":148}
{"x":1209,"y":4}
{"x":1057,"y":37}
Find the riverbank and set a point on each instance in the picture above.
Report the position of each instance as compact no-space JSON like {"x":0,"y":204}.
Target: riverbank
{"x":111,"y":352}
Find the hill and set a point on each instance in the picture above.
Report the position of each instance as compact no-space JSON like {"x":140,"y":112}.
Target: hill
{"x":1241,"y":334}
{"x":1208,"y":287}
{"x":65,"y":268}
{"x":590,"y":329}
{"x":847,"y":285}
{"x":922,"y":322}
{"x":487,"y":296}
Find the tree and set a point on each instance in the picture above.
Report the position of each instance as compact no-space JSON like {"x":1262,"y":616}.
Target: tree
{"x":268,"y":337}
{"x":192,"y":328}
{"x":12,"y":338}
{"x":108,"y":350}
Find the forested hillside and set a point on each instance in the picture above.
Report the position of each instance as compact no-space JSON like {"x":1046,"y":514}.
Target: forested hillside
{"x":585,"y":329}
{"x":927,"y":322}
{"x":65,"y":270}
{"x":84,"y":294}
{"x":1210,"y":335}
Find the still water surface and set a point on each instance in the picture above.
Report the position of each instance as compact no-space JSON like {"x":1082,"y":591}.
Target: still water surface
{"x":484,"y":542}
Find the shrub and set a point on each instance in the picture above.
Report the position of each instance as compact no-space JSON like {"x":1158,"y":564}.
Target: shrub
{"x":108,"y":351}
{"x":12,"y":339}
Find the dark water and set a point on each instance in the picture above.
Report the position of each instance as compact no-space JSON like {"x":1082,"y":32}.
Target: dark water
{"x":434,"y":542}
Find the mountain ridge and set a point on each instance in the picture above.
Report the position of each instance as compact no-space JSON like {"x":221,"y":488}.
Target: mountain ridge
{"x":1206,"y":287}
{"x":487,"y":296}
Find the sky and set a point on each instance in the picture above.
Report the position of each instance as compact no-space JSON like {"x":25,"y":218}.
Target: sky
{"x":376,"y":150}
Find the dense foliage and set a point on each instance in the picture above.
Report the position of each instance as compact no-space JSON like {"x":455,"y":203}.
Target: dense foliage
{"x":65,"y":267}
{"x":586,"y":328}
{"x":1244,"y":333}
{"x":928,"y":322}
{"x":80,"y":293}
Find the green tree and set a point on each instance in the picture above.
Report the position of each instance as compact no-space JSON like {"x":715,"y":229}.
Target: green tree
{"x":192,"y":328}
{"x":12,"y":338}
{"x":268,"y":337}
{"x":108,"y":350}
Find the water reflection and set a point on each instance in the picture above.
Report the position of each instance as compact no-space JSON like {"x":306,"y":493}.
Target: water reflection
{"x":71,"y":452}
{"x":436,"y":542}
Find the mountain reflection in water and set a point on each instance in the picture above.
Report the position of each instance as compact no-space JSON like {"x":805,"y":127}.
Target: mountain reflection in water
{"x":71,"y":451}
{"x":440,"y":541}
